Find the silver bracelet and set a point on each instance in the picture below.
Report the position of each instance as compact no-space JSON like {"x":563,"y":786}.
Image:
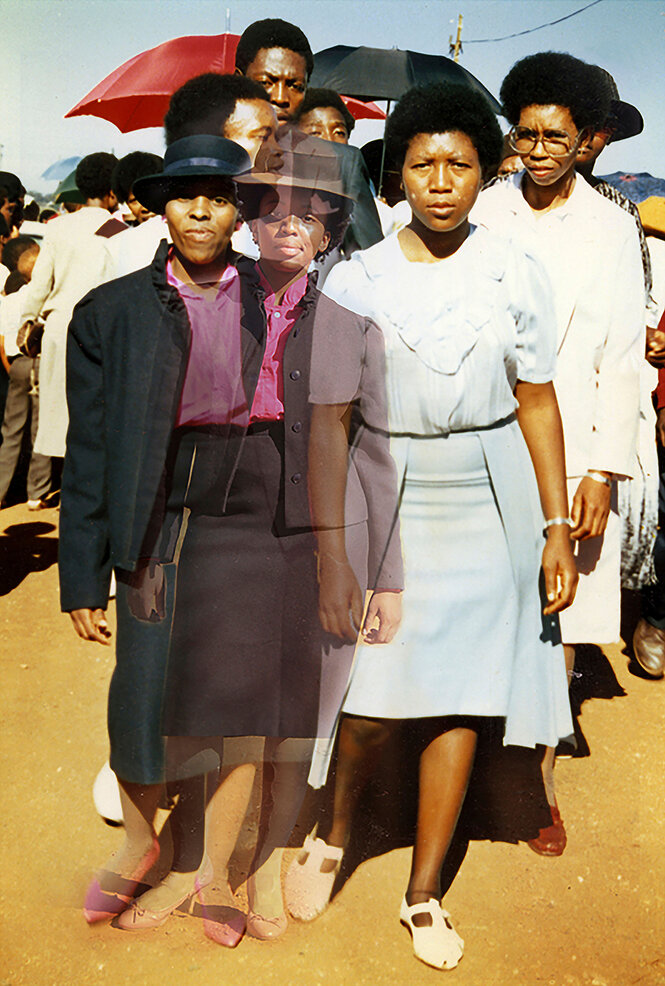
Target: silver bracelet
{"x":557,"y":522}
{"x":598,"y":477}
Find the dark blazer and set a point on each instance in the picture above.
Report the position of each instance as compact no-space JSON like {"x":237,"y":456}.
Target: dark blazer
{"x":127,"y":354}
{"x":365,"y":227}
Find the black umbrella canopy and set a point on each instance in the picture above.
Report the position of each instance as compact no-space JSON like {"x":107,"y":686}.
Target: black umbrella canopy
{"x":387,"y":73}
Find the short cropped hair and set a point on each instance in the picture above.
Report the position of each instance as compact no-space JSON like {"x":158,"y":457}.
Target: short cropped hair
{"x":31,"y":211}
{"x":93,"y":174}
{"x":204,"y":104}
{"x":321,"y":98}
{"x":14,"y":248}
{"x":440,"y":108}
{"x":15,"y":282}
{"x":272,"y":33}
{"x":12,"y":184}
{"x":138,"y":164}
{"x":555,"y":78}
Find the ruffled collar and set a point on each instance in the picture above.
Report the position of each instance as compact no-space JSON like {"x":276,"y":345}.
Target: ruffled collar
{"x":439,"y":309}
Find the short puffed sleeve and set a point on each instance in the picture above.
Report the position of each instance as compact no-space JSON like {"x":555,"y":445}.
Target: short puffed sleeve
{"x":338,"y":354}
{"x":532,"y":307}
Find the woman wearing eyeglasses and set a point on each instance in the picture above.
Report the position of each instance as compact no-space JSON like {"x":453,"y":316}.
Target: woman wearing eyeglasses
{"x":591,"y":251}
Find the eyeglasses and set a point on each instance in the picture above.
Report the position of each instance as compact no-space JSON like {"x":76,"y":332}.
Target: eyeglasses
{"x":556,"y":143}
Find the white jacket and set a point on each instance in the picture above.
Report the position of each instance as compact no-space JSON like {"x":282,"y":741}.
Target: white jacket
{"x":590,"y":249}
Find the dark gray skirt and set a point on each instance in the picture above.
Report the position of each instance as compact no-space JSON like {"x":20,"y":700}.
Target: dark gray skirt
{"x":245,"y":656}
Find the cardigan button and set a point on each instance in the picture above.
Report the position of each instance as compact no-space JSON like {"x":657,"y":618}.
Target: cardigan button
{"x":295,"y":374}
{"x":295,"y":479}
{"x":296,"y":426}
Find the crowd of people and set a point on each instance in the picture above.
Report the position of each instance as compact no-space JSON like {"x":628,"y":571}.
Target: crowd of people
{"x":362,"y":454}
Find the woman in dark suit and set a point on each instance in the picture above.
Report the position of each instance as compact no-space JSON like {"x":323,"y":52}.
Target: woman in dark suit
{"x":189,"y":388}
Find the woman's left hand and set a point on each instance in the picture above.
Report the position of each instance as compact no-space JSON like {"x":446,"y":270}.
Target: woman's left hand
{"x":559,"y":569}
{"x":384,"y":615}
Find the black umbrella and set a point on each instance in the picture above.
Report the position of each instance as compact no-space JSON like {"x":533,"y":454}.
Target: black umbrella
{"x":387,"y":73}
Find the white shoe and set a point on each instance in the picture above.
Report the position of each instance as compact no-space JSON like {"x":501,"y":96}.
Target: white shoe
{"x":310,"y":878}
{"x":106,"y":795}
{"x":437,"y":943}
{"x":37,"y":505}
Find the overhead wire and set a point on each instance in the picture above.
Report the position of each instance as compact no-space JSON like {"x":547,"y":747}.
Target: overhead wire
{"x":517,"y":34}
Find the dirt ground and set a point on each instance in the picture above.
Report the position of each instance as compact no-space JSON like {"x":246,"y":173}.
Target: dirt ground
{"x":595,"y":916}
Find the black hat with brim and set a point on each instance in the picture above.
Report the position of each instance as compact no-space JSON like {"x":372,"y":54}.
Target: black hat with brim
{"x":625,"y":119}
{"x":197,"y":156}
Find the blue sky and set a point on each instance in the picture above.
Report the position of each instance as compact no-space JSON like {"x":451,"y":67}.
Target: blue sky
{"x":52,"y":52}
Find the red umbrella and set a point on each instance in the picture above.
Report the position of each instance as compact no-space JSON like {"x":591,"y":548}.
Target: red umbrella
{"x":363,"y":111}
{"x":137,"y":94}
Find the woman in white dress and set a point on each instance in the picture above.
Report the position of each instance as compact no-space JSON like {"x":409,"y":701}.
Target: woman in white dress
{"x":591,"y":252}
{"x":476,"y":436}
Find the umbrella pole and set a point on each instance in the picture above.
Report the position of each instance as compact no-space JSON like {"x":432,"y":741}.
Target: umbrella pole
{"x":383,"y":152}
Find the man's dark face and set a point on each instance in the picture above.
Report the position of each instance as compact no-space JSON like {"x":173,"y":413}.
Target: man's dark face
{"x":283,"y":75}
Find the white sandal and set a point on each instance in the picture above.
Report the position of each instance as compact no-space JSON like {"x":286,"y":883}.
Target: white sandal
{"x":309,"y":884}
{"x":436,"y":944}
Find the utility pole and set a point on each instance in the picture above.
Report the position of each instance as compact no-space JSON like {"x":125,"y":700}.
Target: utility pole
{"x":456,"y":47}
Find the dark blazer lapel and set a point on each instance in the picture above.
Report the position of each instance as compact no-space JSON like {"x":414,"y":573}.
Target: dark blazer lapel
{"x":165,"y":349}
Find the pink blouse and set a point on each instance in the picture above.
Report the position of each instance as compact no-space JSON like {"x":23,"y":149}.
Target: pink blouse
{"x":213,"y":390}
{"x":268,"y":402}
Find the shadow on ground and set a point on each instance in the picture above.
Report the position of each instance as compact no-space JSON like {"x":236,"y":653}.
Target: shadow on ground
{"x":24,"y":549}
{"x":505,"y":802}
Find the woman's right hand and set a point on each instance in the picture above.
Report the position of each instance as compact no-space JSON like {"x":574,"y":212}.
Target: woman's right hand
{"x":340,"y":598}
{"x":90,"y":624}
{"x":559,"y":570}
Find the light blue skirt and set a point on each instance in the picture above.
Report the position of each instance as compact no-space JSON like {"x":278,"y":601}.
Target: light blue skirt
{"x":473,"y":640}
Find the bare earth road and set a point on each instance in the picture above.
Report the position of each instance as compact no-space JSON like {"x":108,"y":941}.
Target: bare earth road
{"x":594,"y":916}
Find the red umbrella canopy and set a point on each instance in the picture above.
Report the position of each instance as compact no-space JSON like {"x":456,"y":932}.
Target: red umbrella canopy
{"x":137,"y":94}
{"x":363,"y":111}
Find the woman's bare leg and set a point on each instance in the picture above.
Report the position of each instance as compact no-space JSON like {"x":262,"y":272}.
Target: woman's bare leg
{"x":361,"y":742}
{"x":547,"y":765}
{"x":445,"y":768}
{"x":139,"y":807}
{"x":187,"y":828}
{"x":288,"y":760}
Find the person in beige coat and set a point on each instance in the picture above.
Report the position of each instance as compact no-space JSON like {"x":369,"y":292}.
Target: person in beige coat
{"x":71,"y":262}
{"x":590,"y":249}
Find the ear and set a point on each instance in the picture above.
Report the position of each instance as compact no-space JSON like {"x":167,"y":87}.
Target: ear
{"x":586,"y":136}
{"x":324,"y":244}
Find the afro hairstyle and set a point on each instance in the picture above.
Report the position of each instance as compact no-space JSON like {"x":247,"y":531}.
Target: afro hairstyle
{"x":204,"y":104}
{"x":321,"y":98}
{"x":555,"y":78}
{"x":272,"y":33}
{"x":440,"y":108}
{"x":133,"y":166}
{"x":93,"y":174}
